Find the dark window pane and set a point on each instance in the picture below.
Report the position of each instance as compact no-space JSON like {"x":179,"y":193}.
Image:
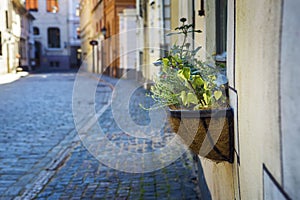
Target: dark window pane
{"x":53,"y":38}
{"x":221,"y":26}
{"x":36,"y":31}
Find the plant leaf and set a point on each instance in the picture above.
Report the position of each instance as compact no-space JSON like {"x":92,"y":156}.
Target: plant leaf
{"x":194,"y":52}
{"x":205,"y":97}
{"x":197,"y":81}
{"x":165,"y":61}
{"x":183,"y":97}
{"x":218,"y":94}
{"x":191,"y":98}
{"x":184,"y":73}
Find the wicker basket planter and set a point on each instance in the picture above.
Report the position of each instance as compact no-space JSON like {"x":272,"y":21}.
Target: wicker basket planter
{"x":208,"y":133}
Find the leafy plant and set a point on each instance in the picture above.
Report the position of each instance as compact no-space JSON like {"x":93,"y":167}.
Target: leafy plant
{"x":185,"y":81}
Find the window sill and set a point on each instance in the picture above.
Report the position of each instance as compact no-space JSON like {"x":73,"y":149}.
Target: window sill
{"x":54,"y":49}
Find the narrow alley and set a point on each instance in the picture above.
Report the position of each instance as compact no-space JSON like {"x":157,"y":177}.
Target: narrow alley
{"x":42,"y":156}
{"x":148,"y":99}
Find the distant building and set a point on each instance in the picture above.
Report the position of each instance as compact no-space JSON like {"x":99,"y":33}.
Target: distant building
{"x":16,"y":42}
{"x":56,"y":33}
{"x":91,"y":22}
{"x":154,"y":22}
{"x":100,"y":20}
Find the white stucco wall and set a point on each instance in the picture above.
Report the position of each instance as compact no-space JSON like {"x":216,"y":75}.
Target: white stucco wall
{"x":128,"y":41}
{"x":55,"y":20}
{"x":3,"y":35}
{"x":9,"y":60}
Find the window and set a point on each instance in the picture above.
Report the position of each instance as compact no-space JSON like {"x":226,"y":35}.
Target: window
{"x":32,"y":5}
{"x":7,"y":20}
{"x":54,"y":63}
{"x":36,"y":31}
{"x":52,"y":6}
{"x":53,"y":38}
{"x":0,"y":43}
{"x":78,"y":32}
{"x":221,"y":26}
{"x":22,"y":49}
{"x":77,"y":10}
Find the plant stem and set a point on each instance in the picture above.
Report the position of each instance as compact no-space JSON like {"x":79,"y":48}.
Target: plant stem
{"x":184,"y":40}
{"x":190,"y":84}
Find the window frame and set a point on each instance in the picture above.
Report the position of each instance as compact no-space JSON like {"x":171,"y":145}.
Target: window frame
{"x":49,"y":39}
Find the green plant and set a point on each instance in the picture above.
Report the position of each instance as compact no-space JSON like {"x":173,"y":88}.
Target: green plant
{"x":185,"y":81}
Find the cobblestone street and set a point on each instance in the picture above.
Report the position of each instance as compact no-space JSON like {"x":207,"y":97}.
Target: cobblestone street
{"x":42,"y":156}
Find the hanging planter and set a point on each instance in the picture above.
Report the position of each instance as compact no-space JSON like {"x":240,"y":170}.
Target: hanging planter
{"x":197,"y":92}
{"x":208,"y":133}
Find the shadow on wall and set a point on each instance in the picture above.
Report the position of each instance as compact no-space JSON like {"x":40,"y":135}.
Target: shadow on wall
{"x":204,"y":191}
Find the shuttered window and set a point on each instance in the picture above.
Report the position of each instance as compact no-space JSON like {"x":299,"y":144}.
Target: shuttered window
{"x":52,"y":6}
{"x":32,"y":5}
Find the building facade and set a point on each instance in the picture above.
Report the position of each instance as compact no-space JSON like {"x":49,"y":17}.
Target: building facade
{"x":258,"y":41}
{"x":56,"y":33}
{"x":74,"y":41}
{"x":91,"y":23}
{"x":154,"y":22}
{"x":100,"y":21}
{"x":16,"y":40}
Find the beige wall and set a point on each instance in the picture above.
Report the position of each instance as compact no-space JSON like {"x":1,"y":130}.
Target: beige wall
{"x":210,"y":30}
{"x":219,"y":179}
{"x":86,"y":33}
{"x":218,"y":176}
{"x":253,"y":47}
{"x":200,"y":38}
{"x":257,"y":85}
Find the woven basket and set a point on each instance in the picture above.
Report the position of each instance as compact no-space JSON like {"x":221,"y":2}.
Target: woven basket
{"x":208,"y":133}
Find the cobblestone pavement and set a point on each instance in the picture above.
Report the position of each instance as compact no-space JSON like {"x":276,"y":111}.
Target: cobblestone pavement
{"x":35,"y":125}
{"x":41,"y":156}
